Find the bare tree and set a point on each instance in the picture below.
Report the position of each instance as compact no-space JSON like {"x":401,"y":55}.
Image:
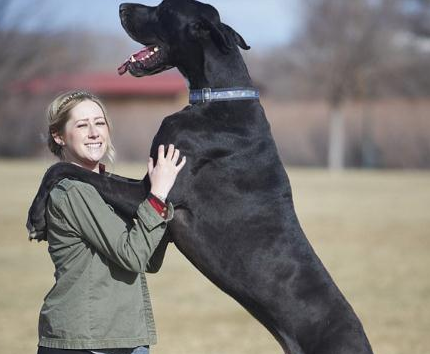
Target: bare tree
{"x":26,"y":55}
{"x":355,"y":50}
{"x":341,"y":45}
{"x":417,"y":16}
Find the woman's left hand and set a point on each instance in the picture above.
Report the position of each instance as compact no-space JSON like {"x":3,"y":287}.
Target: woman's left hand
{"x":163,"y":174}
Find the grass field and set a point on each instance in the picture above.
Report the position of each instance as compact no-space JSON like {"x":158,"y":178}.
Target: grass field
{"x":371,"y":229}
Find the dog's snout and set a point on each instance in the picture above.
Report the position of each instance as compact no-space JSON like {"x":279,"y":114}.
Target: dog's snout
{"x":123,"y":8}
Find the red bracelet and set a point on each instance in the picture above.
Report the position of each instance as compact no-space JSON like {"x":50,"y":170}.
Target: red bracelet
{"x":159,"y":206}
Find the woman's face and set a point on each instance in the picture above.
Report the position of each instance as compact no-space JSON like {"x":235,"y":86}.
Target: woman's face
{"x":86,"y":135}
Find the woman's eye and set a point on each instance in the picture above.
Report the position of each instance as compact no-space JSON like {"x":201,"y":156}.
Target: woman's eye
{"x":100,"y":123}
{"x":82,"y":125}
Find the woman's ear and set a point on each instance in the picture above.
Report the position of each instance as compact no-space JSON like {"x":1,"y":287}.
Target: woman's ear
{"x":58,"y":139}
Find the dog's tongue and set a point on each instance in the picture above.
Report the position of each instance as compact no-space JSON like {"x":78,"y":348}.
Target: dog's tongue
{"x":141,"y":55}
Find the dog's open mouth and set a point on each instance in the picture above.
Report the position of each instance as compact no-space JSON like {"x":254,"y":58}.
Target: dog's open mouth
{"x":148,"y":61}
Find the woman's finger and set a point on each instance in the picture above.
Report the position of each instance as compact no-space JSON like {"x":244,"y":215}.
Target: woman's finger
{"x":181,"y":164}
{"x":150,"y":165}
{"x":175,"y":157}
{"x":170,"y":152}
{"x":161,"y":156}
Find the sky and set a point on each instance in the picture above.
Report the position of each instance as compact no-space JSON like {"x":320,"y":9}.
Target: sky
{"x":262,"y":23}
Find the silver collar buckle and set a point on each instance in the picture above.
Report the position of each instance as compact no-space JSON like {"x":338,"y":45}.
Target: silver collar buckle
{"x":206,"y":94}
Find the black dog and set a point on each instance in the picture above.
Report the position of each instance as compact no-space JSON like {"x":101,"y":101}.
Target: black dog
{"x":235,"y":219}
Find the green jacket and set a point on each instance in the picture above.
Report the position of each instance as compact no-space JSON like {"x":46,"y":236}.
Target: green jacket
{"x":100,"y":298}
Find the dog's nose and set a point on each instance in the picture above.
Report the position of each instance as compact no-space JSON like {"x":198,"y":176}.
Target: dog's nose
{"x":122,"y":8}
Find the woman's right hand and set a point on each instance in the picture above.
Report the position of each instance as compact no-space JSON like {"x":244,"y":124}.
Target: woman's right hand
{"x":164,"y":173}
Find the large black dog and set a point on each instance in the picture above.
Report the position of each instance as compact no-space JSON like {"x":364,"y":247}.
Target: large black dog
{"x":235,"y":218}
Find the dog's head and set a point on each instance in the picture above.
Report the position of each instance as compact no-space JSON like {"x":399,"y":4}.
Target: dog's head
{"x":173,"y":32}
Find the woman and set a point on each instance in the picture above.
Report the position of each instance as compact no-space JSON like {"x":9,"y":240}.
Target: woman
{"x":100,"y":301}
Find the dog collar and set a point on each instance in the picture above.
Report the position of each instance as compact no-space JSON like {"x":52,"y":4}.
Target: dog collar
{"x":223,"y":94}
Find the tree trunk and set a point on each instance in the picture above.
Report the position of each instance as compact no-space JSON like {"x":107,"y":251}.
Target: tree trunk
{"x":336,"y":147}
{"x":369,"y":156}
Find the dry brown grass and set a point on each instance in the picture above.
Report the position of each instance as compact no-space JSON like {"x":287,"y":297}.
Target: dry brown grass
{"x":371,"y":230}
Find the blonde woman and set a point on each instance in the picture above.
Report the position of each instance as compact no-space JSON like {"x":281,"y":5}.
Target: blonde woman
{"x":100,"y":301}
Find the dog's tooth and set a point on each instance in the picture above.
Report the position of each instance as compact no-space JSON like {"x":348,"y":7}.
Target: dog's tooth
{"x":152,"y":53}
{"x":132,"y":59}
{"x":147,"y":56}
{"x":156,"y":49}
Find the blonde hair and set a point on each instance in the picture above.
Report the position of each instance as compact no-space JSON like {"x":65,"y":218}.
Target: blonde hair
{"x":58,"y":115}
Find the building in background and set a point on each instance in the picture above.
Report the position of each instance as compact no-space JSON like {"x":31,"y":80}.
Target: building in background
{"x":135,"y":106}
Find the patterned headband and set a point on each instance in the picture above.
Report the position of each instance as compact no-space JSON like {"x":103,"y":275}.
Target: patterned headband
{"x":74,"y":95}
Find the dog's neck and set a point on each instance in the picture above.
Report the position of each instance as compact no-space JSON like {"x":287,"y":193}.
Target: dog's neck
{"x":217,"y":70}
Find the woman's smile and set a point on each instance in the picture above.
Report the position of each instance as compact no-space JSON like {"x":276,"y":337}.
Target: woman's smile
{"x":94,"y":147}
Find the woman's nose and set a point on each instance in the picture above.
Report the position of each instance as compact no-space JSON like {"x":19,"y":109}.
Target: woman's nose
{"x":93,"y":131}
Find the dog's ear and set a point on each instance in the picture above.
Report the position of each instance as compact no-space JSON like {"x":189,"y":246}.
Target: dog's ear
{"x":237,"y":37}
{"x":223,"y":35}
{"x":205,"y":29}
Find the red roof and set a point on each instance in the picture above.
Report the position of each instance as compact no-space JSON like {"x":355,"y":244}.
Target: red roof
{"x":170,"y":83}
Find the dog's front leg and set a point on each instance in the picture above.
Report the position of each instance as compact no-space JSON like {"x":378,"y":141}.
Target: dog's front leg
{"x":123,"y":194}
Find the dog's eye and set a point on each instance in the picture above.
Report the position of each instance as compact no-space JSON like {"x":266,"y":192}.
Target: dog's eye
{"x":197,"y":26}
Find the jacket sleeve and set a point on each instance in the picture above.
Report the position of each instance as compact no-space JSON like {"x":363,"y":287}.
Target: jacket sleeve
{"x":96,"y":223}
{"x":156,"y":261}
